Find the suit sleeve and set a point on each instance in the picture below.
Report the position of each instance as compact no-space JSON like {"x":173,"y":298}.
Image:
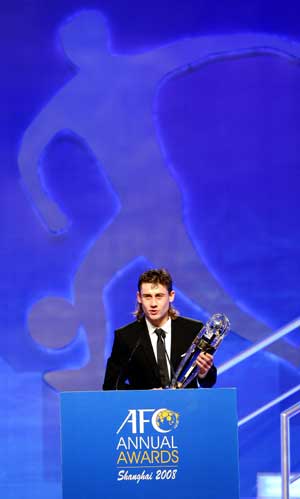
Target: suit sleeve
{"x":116,"y":367}
{"x":210,"y":379}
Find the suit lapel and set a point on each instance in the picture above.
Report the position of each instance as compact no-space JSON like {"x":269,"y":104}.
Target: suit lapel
{"x":177,"y":343}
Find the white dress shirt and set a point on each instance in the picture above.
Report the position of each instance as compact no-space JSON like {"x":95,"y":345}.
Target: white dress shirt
{"x":153,"y":338}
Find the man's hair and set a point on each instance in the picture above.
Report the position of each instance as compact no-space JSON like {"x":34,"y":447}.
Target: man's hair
{"x":155,"y":276}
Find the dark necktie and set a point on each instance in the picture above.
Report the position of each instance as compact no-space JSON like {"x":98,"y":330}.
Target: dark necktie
{"x":161,"y":358}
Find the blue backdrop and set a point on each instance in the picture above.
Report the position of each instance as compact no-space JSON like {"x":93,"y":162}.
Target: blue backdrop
{"x":138,"y":134}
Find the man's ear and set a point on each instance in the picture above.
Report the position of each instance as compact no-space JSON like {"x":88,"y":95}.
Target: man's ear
{"x":172,"y":296}
{"x":138,"y":297}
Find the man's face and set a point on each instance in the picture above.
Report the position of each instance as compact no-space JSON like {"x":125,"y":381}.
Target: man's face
{"x":155,"y":300}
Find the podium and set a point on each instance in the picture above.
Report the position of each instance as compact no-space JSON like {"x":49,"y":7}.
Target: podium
{"x":145,"y":444}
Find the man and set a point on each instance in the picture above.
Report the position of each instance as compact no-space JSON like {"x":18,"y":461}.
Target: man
{"x":146,"y":352}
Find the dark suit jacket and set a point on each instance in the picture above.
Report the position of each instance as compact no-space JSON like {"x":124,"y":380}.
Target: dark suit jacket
{"x":132,"y":363}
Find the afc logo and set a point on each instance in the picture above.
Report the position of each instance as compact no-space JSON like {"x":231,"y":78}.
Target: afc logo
{"x":162,"y":420}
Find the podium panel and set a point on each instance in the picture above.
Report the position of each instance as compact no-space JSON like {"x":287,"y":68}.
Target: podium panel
{"x":144,"y":444}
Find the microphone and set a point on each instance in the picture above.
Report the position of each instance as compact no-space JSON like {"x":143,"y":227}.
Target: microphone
{"x":124,"y":367}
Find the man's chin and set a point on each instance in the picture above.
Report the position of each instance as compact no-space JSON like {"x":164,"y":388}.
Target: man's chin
{"x":154,"y":318}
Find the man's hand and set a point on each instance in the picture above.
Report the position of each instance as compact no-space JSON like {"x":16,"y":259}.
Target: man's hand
{"x":204,"y":361}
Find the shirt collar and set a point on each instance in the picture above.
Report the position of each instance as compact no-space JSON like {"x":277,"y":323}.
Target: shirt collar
{"x":166,"y":327}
